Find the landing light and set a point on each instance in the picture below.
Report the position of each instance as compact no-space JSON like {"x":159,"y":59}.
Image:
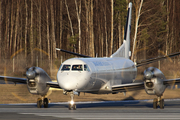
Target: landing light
{"x":72,"y":102}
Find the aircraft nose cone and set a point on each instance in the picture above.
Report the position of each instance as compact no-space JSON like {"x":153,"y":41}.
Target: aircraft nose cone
{"x":72,"y":80}
{"x":68,"y":83}
{"x":69,"y":86}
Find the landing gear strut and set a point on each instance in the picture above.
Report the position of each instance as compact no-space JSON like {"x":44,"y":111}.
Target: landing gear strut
{"x":72,"y":105}
{"x":158,"y":102}
{"x":42,"y":101}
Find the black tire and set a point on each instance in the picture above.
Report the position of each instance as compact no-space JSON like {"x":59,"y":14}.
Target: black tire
{"x":69,"y":106}
{"x":46,"y":103}
{"x":74,"y":107}
{"x":162,"y":104}
{"x":39,"y":103}
{"x":155,"y":103}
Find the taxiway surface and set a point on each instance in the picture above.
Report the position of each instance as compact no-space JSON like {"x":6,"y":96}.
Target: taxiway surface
{"x":106,"y":110}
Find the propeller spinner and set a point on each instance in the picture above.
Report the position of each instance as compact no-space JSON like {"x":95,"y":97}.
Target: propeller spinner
{"x":31,"y":73}
{"x":150,"y":73}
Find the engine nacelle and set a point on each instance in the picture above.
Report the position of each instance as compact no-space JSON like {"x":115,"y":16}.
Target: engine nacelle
{"x":154,"y":81}
{"x":154,"y":86}
{"x":37,"y":79}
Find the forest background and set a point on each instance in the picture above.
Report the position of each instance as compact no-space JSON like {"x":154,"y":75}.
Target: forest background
{"x":30,"y":30}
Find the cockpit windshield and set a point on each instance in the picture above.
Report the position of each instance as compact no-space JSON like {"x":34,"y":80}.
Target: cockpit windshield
{"x":66,"y":68}
{"x":86,"y":68}
{"x":77,"y":68}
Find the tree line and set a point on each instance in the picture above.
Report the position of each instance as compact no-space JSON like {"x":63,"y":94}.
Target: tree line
{"x":31,"y":29}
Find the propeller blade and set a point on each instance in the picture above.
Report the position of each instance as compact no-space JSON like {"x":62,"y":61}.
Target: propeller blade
{"x":33,"y":68}
{"x":152,"y":72}
{"x":27,"y":68}
{"x":153,"y":69}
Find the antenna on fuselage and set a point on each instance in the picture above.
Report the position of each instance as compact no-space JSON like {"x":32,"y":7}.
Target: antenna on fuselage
{"x":96,"y":55}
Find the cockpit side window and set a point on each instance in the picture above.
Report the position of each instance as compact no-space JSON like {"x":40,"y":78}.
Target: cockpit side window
{"x":77,"y":68}
{"x":66,"y":68}
{"x":60,"y":67}
{"x":86,"y":68}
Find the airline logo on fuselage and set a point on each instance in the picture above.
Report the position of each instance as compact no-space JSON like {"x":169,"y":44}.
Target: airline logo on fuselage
{"x":97,"y":63}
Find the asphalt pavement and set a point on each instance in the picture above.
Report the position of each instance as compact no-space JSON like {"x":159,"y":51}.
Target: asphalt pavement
{"x":103,"y":110}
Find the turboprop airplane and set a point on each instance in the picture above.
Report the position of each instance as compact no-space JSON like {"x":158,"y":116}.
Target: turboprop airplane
{"x":99,"y":75}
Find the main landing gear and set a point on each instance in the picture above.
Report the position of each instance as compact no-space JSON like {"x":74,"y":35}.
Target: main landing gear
{"x":72,"y":105}
{"x":42,"y":101}
{"x":158,"y":102}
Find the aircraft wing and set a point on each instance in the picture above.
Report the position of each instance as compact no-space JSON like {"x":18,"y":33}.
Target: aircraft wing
{"x":148,"y":61}
{"x":128,"y":87}
{"x":53,"y":85}
{"x":13,"y":79}
{"x":24,"y":81}
{"x":172,"y":81}
{"x":140,"y":85}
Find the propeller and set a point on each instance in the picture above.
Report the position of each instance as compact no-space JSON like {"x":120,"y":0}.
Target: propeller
{"x":153,"y":72}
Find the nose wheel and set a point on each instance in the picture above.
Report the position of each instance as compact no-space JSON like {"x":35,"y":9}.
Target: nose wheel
{"x":42,"y":101}
{"x":72,"y":105}
{"x":46,"y":101}
{"x":158,"y":102}
{"x":39,"y":103}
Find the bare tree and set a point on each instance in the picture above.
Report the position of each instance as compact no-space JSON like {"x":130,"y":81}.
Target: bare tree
{"x":0,"y":27}
{"x":72,"y":32}
{"x":91,"y":29}
{"x":167,"y":27}
{"x":87,"y":25}
{"x":78,"y":11}
{"x":26,"y":29}
{"x":16,"y":26}
{"x":7,"y":28}
{"x":105,"y":27}
{"x":61,"y":23}
{"x":172,"y":26}
{"x":91,"y":22}
{"x":31,"y":35}
{"x":48,"y":38}
{"x":40,"y":38}
{"x":53,"y":30}
{"x":21,"y":24}
{"x":112,"y":26}
{"x":12,"y":26}
{"x":138,"y":7}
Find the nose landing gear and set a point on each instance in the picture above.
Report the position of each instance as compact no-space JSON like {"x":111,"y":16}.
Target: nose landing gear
{"x":72,"y":105}
{"x":158,"y":102}
{"x":42,"y":101}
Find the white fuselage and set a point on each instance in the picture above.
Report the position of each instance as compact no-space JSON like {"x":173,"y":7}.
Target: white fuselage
{"x":95,"y":75}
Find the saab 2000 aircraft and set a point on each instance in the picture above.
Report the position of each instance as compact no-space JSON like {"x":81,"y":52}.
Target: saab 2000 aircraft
{"x":99,"y":75}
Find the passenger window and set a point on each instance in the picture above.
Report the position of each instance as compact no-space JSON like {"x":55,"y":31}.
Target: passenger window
{"x":66,"y":68}
{"x":86,"y":68}
{"x":77,"y":67}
